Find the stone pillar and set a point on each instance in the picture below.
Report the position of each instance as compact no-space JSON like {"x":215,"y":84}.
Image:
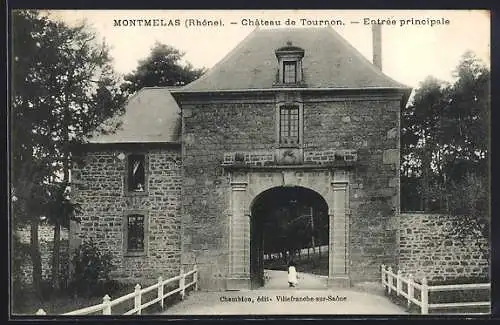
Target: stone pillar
{"x":338,"y":274}
{"x":239,"y":235}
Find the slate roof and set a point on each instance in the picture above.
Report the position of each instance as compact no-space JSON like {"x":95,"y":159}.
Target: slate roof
{"x":151,"y":115}
{"x":329,"y":62}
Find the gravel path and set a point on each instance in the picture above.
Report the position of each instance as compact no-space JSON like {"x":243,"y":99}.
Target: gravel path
{"x":311,"y":297}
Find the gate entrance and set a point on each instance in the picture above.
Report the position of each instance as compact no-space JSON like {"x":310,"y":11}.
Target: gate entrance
{"x":260,"y":198}
{"x":288,"y":223}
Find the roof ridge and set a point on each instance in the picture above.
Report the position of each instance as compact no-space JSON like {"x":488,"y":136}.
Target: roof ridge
{"x":161,"y":87}
{"x":225,"y":58}
{"x":361,"y":56}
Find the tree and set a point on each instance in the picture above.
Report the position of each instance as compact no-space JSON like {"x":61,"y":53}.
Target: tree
{"x":28,"y":161}
{"x":421,"y":135}
{"x":444,"y":132}
{"x":64,"y":88}
{"x":162,"y":67}
{"x":445,"y":147}
{"x":467,"y":117}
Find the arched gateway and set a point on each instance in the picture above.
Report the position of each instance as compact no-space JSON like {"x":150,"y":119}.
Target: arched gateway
{"x":247,"y":187}
{"x":285,"y":220}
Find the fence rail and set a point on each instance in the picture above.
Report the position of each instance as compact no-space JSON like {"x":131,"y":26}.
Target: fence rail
{"x":106,"y":306}
{"x":388,"y":279}
{"x":301,"y":253}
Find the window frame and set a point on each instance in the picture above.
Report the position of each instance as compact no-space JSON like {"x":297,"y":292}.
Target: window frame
{"x":298,"y":125}
{"x":127,"y":190}
{"x":293,"y":63}
{"x":135,"y":253}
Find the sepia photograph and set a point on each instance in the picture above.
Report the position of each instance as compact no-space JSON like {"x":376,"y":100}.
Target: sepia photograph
{"x":249,"y":162}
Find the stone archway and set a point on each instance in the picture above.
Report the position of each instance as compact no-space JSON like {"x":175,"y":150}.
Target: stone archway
{"x":247,"y":184}
{"x":284,"y":219}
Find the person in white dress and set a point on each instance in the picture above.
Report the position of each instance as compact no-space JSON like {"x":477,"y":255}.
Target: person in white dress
{"x":292,"y":275}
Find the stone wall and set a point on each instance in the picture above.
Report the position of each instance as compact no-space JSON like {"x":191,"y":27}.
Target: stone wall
{"x":209,"y":131}
{"x":329,"y":156}
{"x":367,"y":125}
{"x":370,"y":127}
{"x":45,"y":238}
{"x":101,"y":192}
{"x":426,"y":249}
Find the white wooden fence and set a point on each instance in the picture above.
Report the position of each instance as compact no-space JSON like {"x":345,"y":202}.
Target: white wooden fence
{"x":301,"y":253}
{"x":388,"y":279}
{"x":107,"y":303}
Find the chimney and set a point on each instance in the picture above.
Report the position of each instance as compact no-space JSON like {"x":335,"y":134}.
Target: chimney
{"x":377,"y":45}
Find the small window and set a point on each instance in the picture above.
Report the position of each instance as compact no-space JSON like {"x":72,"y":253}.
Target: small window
{"x":136,"y":173}
{"x":135,"y":233}
{"x":289,"y":72}
{"x":289,"y":125}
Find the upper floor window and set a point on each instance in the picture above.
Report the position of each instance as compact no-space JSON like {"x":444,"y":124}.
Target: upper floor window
{"x":289,"y":125}
{"x":136,"y":176}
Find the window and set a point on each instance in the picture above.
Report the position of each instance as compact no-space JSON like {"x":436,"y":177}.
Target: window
{"x":135,"y":225}
{"x":289,"y":72}
{"x":136,"y":173}
{"x":289,"y":124}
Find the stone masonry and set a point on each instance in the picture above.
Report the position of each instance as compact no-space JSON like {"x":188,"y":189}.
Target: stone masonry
{"x":100,"y":191}
{"x":364,"y":125}
{"x":46,"y":242}
{"x":426,"y":250}
{"x":367,"y":125}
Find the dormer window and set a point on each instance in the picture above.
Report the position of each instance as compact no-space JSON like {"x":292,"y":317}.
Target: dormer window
{"x":289,"y":66}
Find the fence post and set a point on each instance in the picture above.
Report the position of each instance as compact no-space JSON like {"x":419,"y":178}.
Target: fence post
{"x":424,"y":297}
{"x":390,"y":280}
{"x":410,"y":290}
{"x":160,"y":290}
{"x":182,"y":282}
{"x":40,"y":312}
{"x":195,"y":277}
{"x":398,"y":283}
{"x":137,"y":299}
{"x":383,"y":274}
{"x":106,"y":301}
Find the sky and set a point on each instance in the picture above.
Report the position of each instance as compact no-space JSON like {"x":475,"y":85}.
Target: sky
{"x":410,"y":51}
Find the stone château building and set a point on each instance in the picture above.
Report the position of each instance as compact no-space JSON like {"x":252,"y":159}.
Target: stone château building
{"x":289,"y":113}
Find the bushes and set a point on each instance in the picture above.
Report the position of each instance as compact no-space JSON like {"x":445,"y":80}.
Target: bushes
{"x":91,"y":270}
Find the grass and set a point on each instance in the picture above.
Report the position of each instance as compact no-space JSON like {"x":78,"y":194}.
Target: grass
{"x":58,"y":303}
